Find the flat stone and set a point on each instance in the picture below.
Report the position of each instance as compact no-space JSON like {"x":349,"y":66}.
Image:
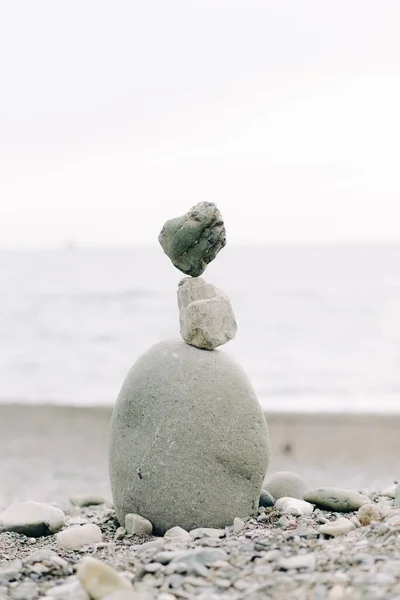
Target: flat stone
{"x":99,"y":580}
{"x":33,"y":519}
{"x":266,"y":499}
{"x":78,"y":536}
{"x":300,"y":561}
{"x":294,"y":506}
{"x":205,"y":314}
{"x":336,"y":499}
{"x":197,"y":560}
{"x":193,"y":240}
{"x":341,"y":526}
{"x":211,"y":532}
{"x":137,"y":525}
{"x":189,"y":443}
{"x":285,"y":484}
{"x":88,"y":500}
{"x":393,"y":521}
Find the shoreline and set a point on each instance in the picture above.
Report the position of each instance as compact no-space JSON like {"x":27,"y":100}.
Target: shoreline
{"x":49,"y":452}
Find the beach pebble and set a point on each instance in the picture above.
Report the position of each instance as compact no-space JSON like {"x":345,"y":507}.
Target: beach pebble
{"x":197,"y":560}
{"x":75,"y":537}
{"x":137,"y":525}
{"x":131,"y":595}
{"x":193,"y":240}
{"x":238,"y":525}
{"x":205,"y":314}
{"x":201,"y":532}
{"x":164,"y":427}
{"x":294,"y":506}
{"x":100,"y":580}
{"x":71,"y":589}
{"x":393,"y":520}
{"x":266,"y":499}
{"x":390,"y":491}
{"x":300,"y":561}
{"x":371,"y":512}
{"x":341,"y":526}
{"x":176,"y":533}
{"x":88,"y":500}
{"x":33,"y":519}
{"x":397,"y":495}
{"x":336,"y":499}
{"x":285,"y":484}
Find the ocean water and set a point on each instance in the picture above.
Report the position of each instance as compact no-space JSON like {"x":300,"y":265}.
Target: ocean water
{"x":318,"y":327}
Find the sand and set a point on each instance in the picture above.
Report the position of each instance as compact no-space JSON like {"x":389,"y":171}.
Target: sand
{"x":50,"y":452}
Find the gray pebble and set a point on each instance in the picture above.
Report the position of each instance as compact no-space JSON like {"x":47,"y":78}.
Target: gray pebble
{"x":266,"y":499}
{"x":336,"y":499}
{"x":193,"y":240}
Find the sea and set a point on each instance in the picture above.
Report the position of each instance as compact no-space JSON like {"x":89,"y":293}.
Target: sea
{"x":318,"y":326}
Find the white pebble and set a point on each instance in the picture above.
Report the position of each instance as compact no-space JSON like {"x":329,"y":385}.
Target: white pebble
{"x":201,"y":532}
{"x":100,"y":580}
{"x":74,"y":538}
{"x":71,"y":588}
{"x":137,"y":525}
{"x":33,"y":519}
{"x":176,"y":533}
{"x":238,"y":525}
{"x":341,"y":526}
{"x":293,"y":506}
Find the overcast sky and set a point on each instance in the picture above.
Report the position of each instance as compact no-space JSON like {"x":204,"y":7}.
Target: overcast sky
{"x":116,"y":115}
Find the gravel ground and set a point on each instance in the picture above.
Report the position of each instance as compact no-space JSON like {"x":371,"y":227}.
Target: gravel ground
{"x":275,"y":556}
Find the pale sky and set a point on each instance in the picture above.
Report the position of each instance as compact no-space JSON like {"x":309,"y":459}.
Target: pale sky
{"x":116,"y":115}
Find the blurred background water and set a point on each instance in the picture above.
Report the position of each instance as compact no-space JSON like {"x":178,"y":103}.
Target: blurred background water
{"x":319,"y":327}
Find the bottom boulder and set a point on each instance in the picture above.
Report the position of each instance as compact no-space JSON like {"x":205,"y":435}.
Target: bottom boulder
{"x":189,"y":443}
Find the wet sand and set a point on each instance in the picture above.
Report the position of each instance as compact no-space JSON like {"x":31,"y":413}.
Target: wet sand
{"x":48,"y":453}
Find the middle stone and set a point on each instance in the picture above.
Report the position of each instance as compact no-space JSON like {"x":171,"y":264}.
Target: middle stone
{"x":205,"y":314}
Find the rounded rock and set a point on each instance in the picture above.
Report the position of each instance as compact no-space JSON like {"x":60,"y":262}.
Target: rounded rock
{"x":285,"y":484}
{"x":193,"y":240}
{"x":294,"y":506}
{"x":75,"y":537}
{"x":137,"y":525}
{"x":266,"y":499}
{"x":33,"y":519}
{"x":189,"y":443}
{"x":336,"y":499}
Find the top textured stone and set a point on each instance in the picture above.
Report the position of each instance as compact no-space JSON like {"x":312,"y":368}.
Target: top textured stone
{"x":194,"y":239}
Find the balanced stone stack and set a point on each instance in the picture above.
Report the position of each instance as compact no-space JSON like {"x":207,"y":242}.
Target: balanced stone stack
{"x":189,"y":443}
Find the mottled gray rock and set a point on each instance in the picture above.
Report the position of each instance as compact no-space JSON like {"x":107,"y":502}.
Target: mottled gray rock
{"x":189,"y":443}
{"x":32,"y":519}
{"x":336,"y":499}
{"x":371,"y":512}
{"x":266,"y":499}
{"x":205,"y":314}
{"x":285,"y":484}
{"x":193,"y":240}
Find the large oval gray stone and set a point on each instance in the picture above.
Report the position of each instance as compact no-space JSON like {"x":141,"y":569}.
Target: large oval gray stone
{"x":189,"y":443}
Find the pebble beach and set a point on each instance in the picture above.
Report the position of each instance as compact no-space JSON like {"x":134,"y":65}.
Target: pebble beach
{"x":50,"y":454}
